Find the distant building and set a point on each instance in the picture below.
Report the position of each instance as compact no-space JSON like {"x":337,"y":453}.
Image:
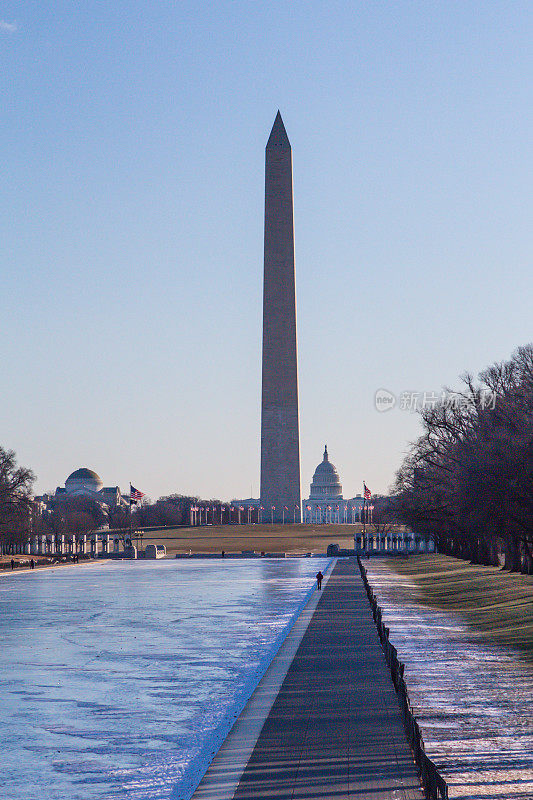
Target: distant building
{"x":85,"y":482}
{"x":326,"y":502}
{"x":250,"y":502}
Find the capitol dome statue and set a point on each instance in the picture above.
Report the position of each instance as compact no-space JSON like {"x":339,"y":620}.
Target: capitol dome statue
{"x":326,"y":503}
{"x":326,"y":485}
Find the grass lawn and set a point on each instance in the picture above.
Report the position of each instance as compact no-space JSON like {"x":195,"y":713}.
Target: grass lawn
{"x":498,"y":605}
{"x":267,"y":538}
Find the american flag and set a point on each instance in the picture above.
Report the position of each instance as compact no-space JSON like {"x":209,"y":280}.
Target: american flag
{"x":135,"y":494}
{"x":368,"y":493}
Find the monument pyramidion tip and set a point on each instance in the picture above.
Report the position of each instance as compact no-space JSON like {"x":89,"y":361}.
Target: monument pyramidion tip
{"x":278,"y":135}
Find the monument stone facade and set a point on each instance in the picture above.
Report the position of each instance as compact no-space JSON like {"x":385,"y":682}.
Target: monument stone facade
{"x":280,"y":430}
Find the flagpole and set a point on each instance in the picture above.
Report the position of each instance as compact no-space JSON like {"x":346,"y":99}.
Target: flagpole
{"x":364,"y":516}
{"x":130,"y":516}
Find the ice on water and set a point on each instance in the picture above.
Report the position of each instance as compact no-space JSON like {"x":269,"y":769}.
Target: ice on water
{"x":120,"y":680}
{"x":474,"y":701}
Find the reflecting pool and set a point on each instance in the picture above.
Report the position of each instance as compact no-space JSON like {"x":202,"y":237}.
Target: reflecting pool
{"x":121,"y":679}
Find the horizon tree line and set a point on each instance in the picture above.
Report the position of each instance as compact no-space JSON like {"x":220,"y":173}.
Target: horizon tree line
{"x":468,"y":480}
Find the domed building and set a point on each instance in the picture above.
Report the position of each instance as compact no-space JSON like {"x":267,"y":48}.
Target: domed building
{"x":326,"y":484}
{"x":86,"y":482}
{"x":83,"y":481}
{"x":325,"y":502}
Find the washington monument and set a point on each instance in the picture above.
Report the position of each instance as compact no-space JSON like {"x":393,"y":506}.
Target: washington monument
{"x":280,"y":431}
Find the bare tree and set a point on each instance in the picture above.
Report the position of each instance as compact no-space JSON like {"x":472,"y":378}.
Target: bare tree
{"x":468,"y":480}
{"x":15,"y":500}
{"x":123,"y":524}
{"x":384,"y":515}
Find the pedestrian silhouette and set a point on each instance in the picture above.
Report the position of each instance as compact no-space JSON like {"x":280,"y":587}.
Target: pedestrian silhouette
{"x":32,"y":564}
{"x":12,"y":563}
{"x":319,"y":578}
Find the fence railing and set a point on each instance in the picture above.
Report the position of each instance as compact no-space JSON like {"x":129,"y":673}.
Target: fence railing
{"x":435,"y":786}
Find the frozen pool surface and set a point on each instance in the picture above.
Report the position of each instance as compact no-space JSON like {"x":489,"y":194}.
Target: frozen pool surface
{"x":120,"y":680}
{"x":474,"y":702}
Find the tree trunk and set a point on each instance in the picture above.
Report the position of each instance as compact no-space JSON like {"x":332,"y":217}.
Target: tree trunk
{"x":512,"y":554}
{"x":474,"y":550}
{"x":527,"y":565}
{"x":494,"y":558}
{"x":485,"y":551}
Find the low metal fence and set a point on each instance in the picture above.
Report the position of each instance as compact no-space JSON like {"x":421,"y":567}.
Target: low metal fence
{"x":435,"y":786}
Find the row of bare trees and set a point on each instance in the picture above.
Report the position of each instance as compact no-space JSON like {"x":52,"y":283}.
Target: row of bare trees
{"x":15,"y":500}
{"x":72,"y":516}
{"x":468,"y":480}
{"x":173,"y":509}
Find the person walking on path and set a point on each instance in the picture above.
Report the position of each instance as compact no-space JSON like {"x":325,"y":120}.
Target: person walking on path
{"x":12,"y":563}
{"x":319,"y":578}
{"x":32,"y":564}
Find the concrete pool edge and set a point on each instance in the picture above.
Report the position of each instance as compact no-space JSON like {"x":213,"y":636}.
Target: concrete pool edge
{"x":225,"y":770}
{"x":6,"y":573}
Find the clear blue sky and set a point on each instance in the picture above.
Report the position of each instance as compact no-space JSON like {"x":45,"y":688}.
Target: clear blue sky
{"x":131,"y":225}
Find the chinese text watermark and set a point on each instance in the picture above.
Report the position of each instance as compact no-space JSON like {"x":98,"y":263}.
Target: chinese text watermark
{"x":414,"y":401}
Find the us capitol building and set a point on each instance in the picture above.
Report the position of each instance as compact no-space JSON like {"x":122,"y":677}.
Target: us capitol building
{"x":325,"y":502}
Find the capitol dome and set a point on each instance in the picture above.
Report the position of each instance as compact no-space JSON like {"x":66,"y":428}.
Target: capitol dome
{"x":83,"y":480}
{"x":326,"y":483}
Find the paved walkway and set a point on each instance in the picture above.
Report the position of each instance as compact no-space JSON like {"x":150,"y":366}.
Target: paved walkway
{"x":334,"y":731}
